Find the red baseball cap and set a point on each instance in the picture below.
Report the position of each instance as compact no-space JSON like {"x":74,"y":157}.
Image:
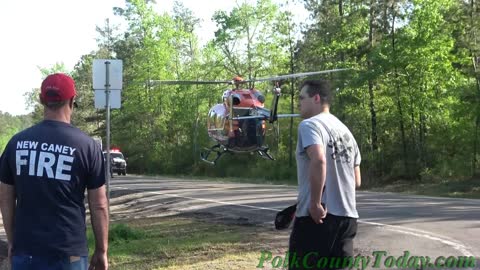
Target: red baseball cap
{"x":57,"y":87}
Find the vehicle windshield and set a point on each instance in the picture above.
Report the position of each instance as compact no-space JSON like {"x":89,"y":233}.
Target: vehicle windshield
{"x":116,"y":155}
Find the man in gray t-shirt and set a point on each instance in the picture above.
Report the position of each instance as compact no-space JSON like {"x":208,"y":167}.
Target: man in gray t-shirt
{"x":328,"y":169}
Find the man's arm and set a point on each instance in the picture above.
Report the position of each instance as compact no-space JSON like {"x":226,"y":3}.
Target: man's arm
{"x":358,"y":177}
{"x":98,"y":204}
{"x":317,"y":171}
{"x":7,"y":205}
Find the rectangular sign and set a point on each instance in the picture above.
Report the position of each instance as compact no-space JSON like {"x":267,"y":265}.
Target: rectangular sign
{"x":115,"y":74}
{"x":115,"y":99}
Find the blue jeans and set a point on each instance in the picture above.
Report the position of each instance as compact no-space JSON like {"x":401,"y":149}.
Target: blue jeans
{"x":25,"y":262}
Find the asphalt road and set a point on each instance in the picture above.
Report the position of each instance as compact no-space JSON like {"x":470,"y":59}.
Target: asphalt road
{"x":423,"y":226}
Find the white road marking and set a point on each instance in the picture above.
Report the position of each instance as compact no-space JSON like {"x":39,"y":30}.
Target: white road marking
{"x":400,"y":229}
{"x":204,"y":200}
{"x":425,"y":234}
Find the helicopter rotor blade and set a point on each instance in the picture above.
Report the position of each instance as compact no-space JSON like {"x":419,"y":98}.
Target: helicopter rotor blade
{"x":184,"y":82}
{"x":288,"y":115}
{"x":265,"y":117}
{"x":249,"y":117}
{"x":296,"y":75}
{"x":233,"y":82}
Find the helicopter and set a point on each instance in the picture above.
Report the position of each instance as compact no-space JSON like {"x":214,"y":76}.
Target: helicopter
{"x":238,"y":124}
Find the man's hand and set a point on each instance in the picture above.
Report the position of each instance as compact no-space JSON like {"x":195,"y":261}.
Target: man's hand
{"x":98,"y":203}
{"x":317,"y":212}
{"x":99,"y":261}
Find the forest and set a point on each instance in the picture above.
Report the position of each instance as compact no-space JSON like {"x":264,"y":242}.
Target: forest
{"x":411,"y":96}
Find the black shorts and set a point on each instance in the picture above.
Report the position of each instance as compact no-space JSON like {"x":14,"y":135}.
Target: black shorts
{"x":321,"y":246}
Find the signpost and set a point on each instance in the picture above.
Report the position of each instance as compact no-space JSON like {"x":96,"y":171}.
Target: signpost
{"x":107,"y":83}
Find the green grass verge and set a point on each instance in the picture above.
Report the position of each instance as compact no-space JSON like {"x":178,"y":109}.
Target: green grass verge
{"x":469,"y":188}
{"x":184,"y":243}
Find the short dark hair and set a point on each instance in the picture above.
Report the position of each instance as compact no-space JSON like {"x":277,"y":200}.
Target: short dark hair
{"x":54,"y":105}
{"x":320,"y":87}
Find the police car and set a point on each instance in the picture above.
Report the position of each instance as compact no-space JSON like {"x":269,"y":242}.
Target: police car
{"x":118,"y":163}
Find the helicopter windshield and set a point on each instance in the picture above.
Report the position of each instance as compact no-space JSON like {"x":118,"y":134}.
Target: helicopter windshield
{"x":216,"y":117}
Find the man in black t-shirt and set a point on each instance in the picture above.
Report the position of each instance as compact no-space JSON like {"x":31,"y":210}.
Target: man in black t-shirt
{"x":44,"y":171}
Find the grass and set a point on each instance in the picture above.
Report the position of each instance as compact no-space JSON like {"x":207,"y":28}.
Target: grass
{"x":180,"y":242}
{"x":468,"y":188}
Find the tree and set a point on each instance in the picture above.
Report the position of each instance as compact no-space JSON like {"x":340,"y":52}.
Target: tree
{"x":247,"y":38}
{"x":10,"y":125}
{"x":466,"y":22}
{"x":32,"y":98}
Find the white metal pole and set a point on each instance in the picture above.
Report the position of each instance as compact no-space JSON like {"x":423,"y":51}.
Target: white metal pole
{"x":107,"y":105}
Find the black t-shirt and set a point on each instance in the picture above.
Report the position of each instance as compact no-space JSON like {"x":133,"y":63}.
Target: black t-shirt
{"x":50,"y":165}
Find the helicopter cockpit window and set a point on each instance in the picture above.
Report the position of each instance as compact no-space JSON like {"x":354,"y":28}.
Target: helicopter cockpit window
{"x":220,"y":121}
{"x":216,"y":117}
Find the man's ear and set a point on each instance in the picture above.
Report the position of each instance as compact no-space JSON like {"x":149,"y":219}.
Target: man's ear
{"x":70,"y":103}
{"x":317,"y":99}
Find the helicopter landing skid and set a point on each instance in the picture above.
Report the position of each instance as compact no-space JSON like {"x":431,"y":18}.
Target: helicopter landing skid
{"x":217,"y":149}
{"x":263,"y":152}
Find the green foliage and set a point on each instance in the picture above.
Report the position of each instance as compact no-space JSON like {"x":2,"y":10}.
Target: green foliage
{"x":32,"y":99}
{"x":248,"y":39}
{"x":10,"y":125}
{"x":411,"y":97}
{"x":410,"y":87}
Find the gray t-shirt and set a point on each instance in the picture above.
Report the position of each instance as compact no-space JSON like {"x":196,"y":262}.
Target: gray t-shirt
{"x":342,"y":155}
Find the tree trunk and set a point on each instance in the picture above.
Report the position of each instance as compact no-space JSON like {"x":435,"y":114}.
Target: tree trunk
{"x":292,"y":108}
{"x":477,"y":118}
{"x":385,"y":17}
{"x":249,"y":55}
{"x":398,"y":93}
{"x":423,"y":132}
{"x":197,"y":118}
{"x":413,"y":134}
{"x":373,"y":113}
{"x":292,"y":98}
{"x":340,"y":12}
{"x":475,"y":144}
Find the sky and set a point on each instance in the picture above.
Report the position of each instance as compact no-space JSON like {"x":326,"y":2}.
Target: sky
{"x":37,"y":34}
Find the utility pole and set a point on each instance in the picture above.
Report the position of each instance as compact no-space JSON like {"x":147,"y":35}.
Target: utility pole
{"x":107,"y":107}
